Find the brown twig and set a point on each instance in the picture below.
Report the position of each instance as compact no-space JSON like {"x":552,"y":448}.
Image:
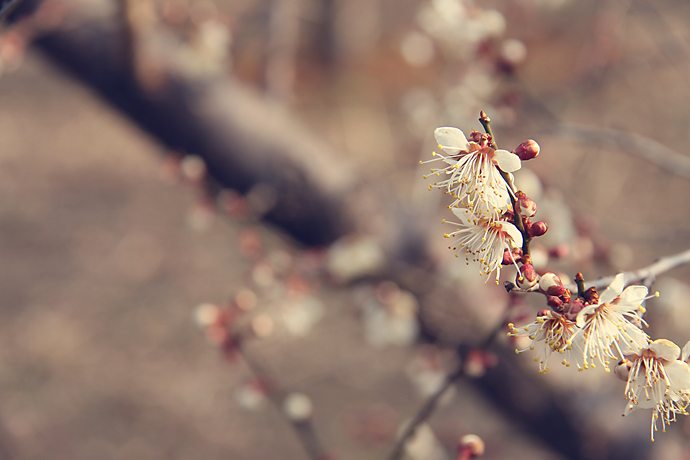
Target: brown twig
{"x":429,"y":406}
{"x":649,"y":272}
{"x":304,"y":429}
{"x":486,"y":123}
{"x":644,"y":147}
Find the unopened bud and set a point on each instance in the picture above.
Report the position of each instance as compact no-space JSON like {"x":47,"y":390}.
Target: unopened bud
{"x":571,"y":309}
{"x":550,"y":281}
{"x":622,"y":369}
{"x":297,"y":407}
{"x":527,"y":277}
{"x":537,"y":228}
{"x":510,"y":258}
{"x":527,"y":150}
{"x":543,"y":312}
{"x":554,"y":302}
{"x":525,"y":206}
{"x":591,"y":296}
{"x":470,"y":446}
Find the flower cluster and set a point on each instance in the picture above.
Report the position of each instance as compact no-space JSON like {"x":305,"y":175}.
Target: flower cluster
{"x":586,"y":328}
{"x":478,"y":176}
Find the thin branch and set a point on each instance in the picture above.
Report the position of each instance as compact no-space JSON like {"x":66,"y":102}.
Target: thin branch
{"x":647,"y":273}
{"x":304,"y":429}
{"x":429,"y":406}
{"x":644,"y":147}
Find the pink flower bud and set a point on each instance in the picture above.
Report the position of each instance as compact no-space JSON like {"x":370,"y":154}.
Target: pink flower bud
{"x":537,"y":229}
{"x":525,"y":206}
{"x":508,"y":258}
{"x":470,"y":446}
{"x":551,"y":284}
{"x":527,"y":150}
{"x":572,"y":309}
{"x":527,"y":278}
{"x":549,"y":280}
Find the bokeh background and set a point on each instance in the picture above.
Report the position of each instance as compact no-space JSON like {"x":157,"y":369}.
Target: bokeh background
{"x":164,"y":158}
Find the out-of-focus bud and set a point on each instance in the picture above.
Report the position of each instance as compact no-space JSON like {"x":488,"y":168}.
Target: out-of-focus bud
{"x":551,"y":284}
{"x":527,"y":277}
{"x":622,"y":369}
{"x":297,"y":407}
{"x":470,"y":446}
{"x":571,"y":309}
{"x":527,"y":150}
{"x":207,"y":314}
{"x":542,"y":312}
{"x":554,"y":302}
{"x":525,"y":206}
{"x":537,"y":228}
{"x":560,"y":251}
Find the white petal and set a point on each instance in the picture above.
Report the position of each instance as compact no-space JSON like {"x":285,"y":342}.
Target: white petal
{"x":451,"y":140}
{"x":686,"y":352}
{"x":634,"y":295}
{"x":614,"y":289}
{"x":638,"y":340}
{"x":512,"y":232}
{"x":665,"y":349}
{"x":580,"y":319}
{"x":465,"y":215}
{"x":507,"y":161}
{"x":679,"y":374}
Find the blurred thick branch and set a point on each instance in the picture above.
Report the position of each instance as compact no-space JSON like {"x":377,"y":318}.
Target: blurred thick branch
{"x":246,"y":140}
{"x":644,"y":147}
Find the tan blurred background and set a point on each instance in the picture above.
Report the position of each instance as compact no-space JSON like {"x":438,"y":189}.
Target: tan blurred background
{"x":113,"y":230}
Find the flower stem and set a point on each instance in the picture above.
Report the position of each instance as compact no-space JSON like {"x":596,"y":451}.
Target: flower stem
{"x":486,"y":123}
{"x":580,"y":282}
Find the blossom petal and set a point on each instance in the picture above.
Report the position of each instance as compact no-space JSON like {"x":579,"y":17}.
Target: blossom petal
{"x":614,"y":289}
{"x":634,"y":295}
{"x":580,"y":319}
{"x":467,"y":218}
{"x":678,"y":373}
{"x":507,"y":161}
{"x":665,"y":349}
{"x":512,"y":232}
{"x":451,"y":140}
{"x":686,"y":352}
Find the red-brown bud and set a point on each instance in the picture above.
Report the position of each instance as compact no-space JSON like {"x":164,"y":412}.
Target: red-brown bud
{"x":527,"y":277}
{"x":572,"y":309}
{"x":537,"y":229}
{"x":554,"y":302}
{"x":591,"y":296}
{"x":510,"y":258}
{"x":527,"y":150}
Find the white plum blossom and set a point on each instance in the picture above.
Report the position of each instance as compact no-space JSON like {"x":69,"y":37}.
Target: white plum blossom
{"x":471,"y":174}
{"x":483,"y":239}
{"x":551,"y":332}
{"x":612,"y":324}
{"x":658,"y":380}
